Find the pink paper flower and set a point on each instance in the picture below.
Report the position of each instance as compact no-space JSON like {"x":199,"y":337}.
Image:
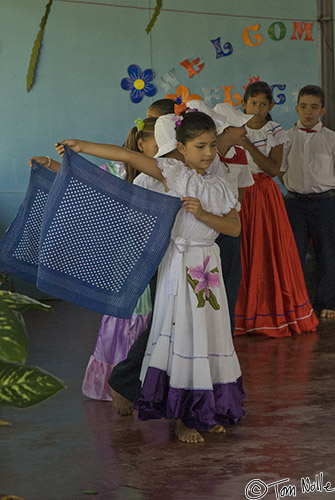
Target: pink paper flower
{"x":207,"y":279}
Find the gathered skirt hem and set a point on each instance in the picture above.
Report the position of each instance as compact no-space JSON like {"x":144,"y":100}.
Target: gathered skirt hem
{"x":95,"y":384}
{"x":199,"y":409}
{"x":295,"y":322}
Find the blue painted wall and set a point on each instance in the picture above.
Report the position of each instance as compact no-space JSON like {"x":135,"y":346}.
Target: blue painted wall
{"x":88,"y":46}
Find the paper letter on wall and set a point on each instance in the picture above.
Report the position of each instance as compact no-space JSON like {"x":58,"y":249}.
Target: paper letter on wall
{"x":189,"y":66}
{"x":246,"y":37}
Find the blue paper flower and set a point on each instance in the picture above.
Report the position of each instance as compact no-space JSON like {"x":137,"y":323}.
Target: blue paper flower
{"x":139,"y":83}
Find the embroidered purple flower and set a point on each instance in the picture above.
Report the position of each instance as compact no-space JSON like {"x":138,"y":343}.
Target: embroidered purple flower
{"x":207,"y":279}
{"x":139,"y":83}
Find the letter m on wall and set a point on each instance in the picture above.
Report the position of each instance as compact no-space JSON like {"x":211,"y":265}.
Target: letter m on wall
{"x":301,"y":27}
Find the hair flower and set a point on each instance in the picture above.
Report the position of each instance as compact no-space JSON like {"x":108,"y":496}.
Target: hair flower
{"x":177,"y":120}
{"x":181,"y":97}
{"x":139,"y":124}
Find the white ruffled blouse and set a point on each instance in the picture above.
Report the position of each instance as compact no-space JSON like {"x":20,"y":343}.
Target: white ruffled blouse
{"x":213,"y":192}
{"x":270,"y":135}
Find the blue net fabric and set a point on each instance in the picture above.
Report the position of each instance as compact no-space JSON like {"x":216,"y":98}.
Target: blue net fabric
{"x":102,"y":238}
{"x":19,"y":248}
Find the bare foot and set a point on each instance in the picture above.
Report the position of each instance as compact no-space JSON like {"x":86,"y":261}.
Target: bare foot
{"x":218,"y":429}
{"x":327,"y":313}
{"x":121,"y":404}
{"x":187,"y":435}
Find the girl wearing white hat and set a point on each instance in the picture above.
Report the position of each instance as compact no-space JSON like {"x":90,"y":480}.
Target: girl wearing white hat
{"x":231,"y":163}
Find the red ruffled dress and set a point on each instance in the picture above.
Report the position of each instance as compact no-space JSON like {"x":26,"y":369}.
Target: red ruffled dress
{"x":273,"y":299}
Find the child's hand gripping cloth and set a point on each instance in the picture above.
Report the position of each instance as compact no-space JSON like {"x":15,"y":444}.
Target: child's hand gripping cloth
{"x":102,"y":238}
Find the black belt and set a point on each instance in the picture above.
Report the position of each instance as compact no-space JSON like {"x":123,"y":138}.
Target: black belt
{"x":312,"y":196}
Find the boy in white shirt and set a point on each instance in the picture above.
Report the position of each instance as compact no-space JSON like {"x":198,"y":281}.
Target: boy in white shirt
{"x":309,"y":177}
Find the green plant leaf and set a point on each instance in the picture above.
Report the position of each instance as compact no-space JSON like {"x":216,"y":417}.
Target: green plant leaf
{"x":155,"y":15}
{"x":13,"y":335}
{"x":21,"y":303}
{"x":36,"y":48}
{"x":23,"y":386}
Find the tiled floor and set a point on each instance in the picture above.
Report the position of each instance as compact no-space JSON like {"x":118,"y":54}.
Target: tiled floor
{"x":72,"y":448}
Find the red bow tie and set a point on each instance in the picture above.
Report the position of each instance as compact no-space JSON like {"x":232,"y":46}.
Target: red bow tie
{"x":308,"y":130}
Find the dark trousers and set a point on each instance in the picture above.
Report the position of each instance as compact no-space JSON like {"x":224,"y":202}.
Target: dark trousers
{"x":230,"y":253}
{"x":124,"y":378}
{"x":313,"y":220}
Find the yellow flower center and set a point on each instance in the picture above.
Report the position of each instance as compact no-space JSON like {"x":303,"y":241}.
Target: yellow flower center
{"x":139,"y":84}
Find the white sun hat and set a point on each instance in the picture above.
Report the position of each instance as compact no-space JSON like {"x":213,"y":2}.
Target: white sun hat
{"x":219,"y":119}
{"x":234,"y":117}
{"x":165,"y":134}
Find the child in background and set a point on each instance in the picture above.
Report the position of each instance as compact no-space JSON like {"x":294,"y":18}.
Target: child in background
{"x":161,"y":107}
{"x":124,"y":380}
{"x":273,"y":299}
{"x":239,"y":176}
{"x":190,"y":372}
{"x":116,"y":335}
{"x":140,"y":138}
{"x":310,"y":180}
{"x":231,"y":163}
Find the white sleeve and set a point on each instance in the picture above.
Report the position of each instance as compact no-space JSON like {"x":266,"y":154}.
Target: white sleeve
{"x":276,"y":135}
{"x":148,"y":182}
{"x":287,"y":147}
{"x":245,"y":177}
{"x":213,"y":192}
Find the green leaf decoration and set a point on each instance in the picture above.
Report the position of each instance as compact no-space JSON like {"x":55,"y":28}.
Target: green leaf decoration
{"x":13,"y":335}
{"x":193,"y":283}
{"x":212,"y":300}
{"x":23,"y":386}
{"x":21,"y":303}
{"x":155,"y":15}
{"x":36,"y":48}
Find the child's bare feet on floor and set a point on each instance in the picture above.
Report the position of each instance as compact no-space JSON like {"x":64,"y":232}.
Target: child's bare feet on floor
{"x":187,"y":435}
{"x":121,"y":404}
{"x":218,"y":429}
{"x":327,"y":313}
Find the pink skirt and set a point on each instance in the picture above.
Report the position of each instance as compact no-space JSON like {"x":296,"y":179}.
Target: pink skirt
{"x":115,"y":338}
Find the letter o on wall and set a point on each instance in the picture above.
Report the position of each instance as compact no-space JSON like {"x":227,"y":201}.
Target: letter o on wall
{"x":272,"y":31}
